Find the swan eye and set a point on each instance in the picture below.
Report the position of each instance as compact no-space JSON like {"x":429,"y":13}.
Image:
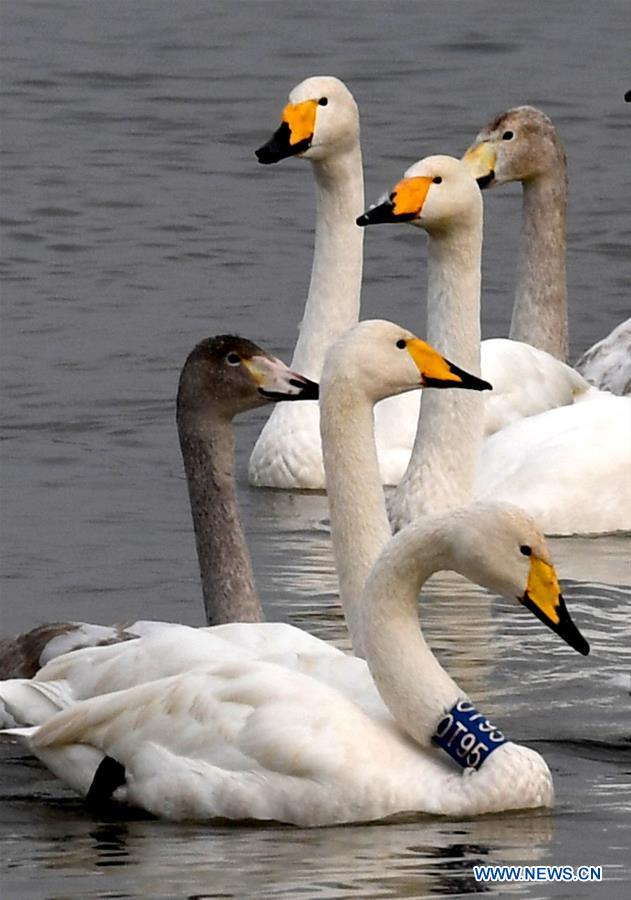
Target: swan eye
{"x":526,"y":550}
{"x":323,"y":101}
{"x":508,"y":136}
{"x":401,"y":344}
{"x":437,"y":180}
{"x":233,"y":359}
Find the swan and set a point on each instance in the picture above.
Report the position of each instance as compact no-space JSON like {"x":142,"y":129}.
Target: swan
{"x":223,"y":376}
{"x":212,"y":390}
{"x":570,"y":468}
{"x":248,"y":739}
{"x":523,"y":145}
{"x":321,"y":123}
{"x":336,"y":740}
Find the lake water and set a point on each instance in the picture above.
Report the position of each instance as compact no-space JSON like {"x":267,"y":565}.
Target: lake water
{"x":135,"y":222}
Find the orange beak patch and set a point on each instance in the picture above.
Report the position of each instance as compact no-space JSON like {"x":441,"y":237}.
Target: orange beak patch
{"x":300,"y":118}
{"x":409,"y":196}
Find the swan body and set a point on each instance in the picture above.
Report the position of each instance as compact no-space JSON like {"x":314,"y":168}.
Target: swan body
{"x":577,"y":456}
{"x":523,"y":145}
{"x":554,"y":464}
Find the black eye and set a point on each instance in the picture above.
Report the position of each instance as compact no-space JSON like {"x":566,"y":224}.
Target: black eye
{"x":401,"y":344}
{"x":233,"y":359}
{"x":437,"y":180}
{"x":526,"y":550}
{"x":508,"y":136}
{"x":323,"y":101}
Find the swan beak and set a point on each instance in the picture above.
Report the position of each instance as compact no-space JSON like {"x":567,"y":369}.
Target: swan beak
{"x":294,"y":135}
{"x":543,"y":598}
{"x":481,"y":158}
{"x":276,"y":381}
{"x":438,"y":372}
{"x":403,"y":205}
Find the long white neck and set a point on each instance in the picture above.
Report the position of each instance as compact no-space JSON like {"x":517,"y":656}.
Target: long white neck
{"x":411,"y":681}
{"x":359,"y":524}
{"x":442,"y":467}
{"x":333,"y":303}
{"x":540,"y":309}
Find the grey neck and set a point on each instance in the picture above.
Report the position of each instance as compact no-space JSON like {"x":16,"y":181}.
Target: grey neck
{"x":207,"y":445}
{"x":540,"y":312}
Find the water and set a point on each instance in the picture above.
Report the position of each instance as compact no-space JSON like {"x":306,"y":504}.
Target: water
{"x":136,"y":221}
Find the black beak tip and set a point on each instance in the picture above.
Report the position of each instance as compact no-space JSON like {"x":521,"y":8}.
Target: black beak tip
{"x":264,"y":155}
{"x":565,"y":628}
{"x":362,"y":220}
{"x":469,"y":382}
{"x":485,"y":180}
{"x":310,"y":389}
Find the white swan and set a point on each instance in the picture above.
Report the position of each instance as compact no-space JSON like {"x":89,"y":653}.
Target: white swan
{"x":213,"y":388}
{"x":314,"y":744}
{"x":523,"y":145}
{"x":321,"y":124}
{"x":569,"y":467}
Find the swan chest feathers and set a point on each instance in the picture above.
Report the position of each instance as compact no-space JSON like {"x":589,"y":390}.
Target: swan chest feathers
{"x":241,"y":740}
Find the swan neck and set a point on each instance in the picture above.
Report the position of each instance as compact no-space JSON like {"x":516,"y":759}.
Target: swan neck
{"x":334,"y":291}
{"x":208,"y":450}
{"x":442,"y":467}
{"x":411,"y":681}
{"x":359,"y":523}
{"x":540,"y":312}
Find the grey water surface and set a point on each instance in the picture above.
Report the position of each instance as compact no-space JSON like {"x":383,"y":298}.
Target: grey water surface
{"x":135,"y":221}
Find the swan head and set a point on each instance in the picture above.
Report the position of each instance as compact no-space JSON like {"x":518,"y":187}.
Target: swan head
{"x":382,"y":359}
{"x":499,"y":547}
{"x":227,"y":375}
{"x":321,"y":120}
{"x":520,"y":145}
{"x":437,"y":193}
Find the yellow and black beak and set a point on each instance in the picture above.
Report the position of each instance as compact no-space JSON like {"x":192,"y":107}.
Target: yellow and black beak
{"x":438,"y":372}
{"x":481,"y":159}
{"x":404,"y":204}
{"x":294,"y":135}
{"x":543,"y":598}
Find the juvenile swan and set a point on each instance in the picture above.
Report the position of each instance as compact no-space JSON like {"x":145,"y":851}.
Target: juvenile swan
{"x":222,"y":377}
{"x":523,"y":145}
